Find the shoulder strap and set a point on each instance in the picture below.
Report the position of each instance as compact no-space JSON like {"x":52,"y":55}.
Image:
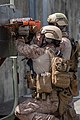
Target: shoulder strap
{"x":77,"y":48}
{"x":51,"y":53}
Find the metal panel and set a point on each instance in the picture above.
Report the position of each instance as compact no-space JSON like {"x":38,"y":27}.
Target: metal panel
{"x":6,"y":42}
{"x":31,"y":8}
{"x":45,"y":9}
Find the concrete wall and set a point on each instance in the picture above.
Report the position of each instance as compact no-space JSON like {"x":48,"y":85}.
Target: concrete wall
{"x":4,"y":1}
{"x":37,"y":9}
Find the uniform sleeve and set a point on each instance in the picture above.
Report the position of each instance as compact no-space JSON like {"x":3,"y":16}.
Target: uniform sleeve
{"x":66,"y":48}
{"x":30,"y":51}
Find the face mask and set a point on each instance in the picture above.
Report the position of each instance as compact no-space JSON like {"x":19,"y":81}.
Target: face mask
{"x":53,"y":41}
{"x":48,"y":40}
{"x":56,"y":43}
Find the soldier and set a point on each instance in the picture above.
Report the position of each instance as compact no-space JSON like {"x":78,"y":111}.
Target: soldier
{"x":61,"y":21}
{"x":45,"y":103}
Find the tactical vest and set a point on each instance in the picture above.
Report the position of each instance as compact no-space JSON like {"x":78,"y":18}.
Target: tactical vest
{"x":60,"y":72}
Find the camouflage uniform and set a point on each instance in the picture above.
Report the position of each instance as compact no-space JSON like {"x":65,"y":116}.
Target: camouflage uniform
{"x":66,"y":46}
{"x":60,"y":20}
{"x":32,"y":108}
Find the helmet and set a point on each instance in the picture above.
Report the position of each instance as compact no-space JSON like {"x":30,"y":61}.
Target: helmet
{"x":58,"y":18}
{"x":52,"y":32}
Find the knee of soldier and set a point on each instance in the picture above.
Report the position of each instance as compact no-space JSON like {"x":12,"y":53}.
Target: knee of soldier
{"x":17,"y":110}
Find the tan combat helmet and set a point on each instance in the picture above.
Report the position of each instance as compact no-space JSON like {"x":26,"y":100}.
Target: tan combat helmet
{"x":52,"y":32}
{"x":58,"y":18}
